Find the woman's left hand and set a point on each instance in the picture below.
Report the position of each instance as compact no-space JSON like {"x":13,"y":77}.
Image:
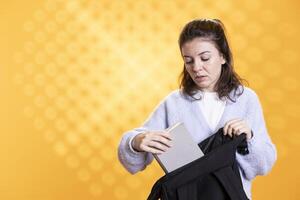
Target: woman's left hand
{"x":237,"y":127}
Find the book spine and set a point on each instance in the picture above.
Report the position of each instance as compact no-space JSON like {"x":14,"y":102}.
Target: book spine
{"x":160,"y":163}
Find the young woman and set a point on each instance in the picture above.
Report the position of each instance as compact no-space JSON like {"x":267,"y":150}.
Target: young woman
{"x":211,"y":96}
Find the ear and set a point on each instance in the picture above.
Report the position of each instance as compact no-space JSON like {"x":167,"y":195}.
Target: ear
{"x":223,"y":60}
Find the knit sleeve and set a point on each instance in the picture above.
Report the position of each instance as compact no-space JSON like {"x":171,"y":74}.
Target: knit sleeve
{"x":262,"y":152}
{"x":135,"y":161}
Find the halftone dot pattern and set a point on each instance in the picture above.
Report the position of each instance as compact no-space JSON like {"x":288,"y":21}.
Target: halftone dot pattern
{"x":95,"y":69}
{"x":72,"y":161}
{"x":50,"y":135}
{"x":84,"y":175}
{"x":95,"y":164}
{"x":60,"y":148}
{"x":96,"y":189}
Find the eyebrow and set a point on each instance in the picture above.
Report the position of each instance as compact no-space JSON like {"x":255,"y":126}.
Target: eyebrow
{"x":198,"y":54}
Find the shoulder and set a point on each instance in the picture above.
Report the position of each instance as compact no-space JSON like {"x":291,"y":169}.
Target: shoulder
{"x":249,"y":95}
{"x":175,"y":96}
{"x":174,"y":99}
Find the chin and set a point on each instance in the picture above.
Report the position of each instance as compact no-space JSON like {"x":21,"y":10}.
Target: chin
{"x":202,"y":86}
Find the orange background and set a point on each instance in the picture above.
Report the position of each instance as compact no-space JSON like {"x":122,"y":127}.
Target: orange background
{"x":75,"y":75}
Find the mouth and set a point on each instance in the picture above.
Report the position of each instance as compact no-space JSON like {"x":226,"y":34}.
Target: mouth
{"x":200,"y":76}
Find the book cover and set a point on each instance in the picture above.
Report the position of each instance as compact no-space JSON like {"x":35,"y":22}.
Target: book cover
{"x":183,"y":151}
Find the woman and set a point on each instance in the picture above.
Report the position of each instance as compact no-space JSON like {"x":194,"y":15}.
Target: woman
{"x":211,"y":96}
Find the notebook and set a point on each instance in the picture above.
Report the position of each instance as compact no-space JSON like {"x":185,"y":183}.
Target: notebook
{"x":183,"y":151}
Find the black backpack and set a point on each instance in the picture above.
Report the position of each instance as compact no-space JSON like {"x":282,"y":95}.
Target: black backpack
{"x":215,"y":176}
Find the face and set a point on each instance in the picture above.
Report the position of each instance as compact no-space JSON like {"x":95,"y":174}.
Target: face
{"x":203,"y":62}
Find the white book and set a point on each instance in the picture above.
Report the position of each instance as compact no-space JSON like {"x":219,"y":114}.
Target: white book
{"x":183,"y":150}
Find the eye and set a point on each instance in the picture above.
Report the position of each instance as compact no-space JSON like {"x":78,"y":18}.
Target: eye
{"x":204,"y":59}
{"x":189,"y":62}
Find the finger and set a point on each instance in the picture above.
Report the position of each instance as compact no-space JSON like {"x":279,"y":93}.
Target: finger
{"x":230,"y":130}
{"x":225,"y":128}
{"x":166,"y":142}
{"x":242,"y":130}
{"x":236,"y":126}
{"x":158,"y":145}
{"x":237,"y":130}
{"x":161,"y":139}
{"x":151,"y":150}
{"x":232,"y":123}
{"x":227,"y":125}
{"x":240,"y":127}
{"x":149,"y":147}
{"x":165,"y":134}
{"x":246,"y":131}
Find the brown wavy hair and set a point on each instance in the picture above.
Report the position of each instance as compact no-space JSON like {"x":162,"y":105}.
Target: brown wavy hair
{"x":213,"y":30}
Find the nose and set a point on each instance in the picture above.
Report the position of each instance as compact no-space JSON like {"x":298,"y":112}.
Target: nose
{"x":198,"y":65}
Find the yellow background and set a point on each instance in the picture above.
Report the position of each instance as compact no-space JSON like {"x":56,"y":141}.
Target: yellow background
{"x":75,"y":75}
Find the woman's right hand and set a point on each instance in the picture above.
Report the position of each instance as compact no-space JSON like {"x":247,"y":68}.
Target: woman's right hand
{"x":155,"y":142}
